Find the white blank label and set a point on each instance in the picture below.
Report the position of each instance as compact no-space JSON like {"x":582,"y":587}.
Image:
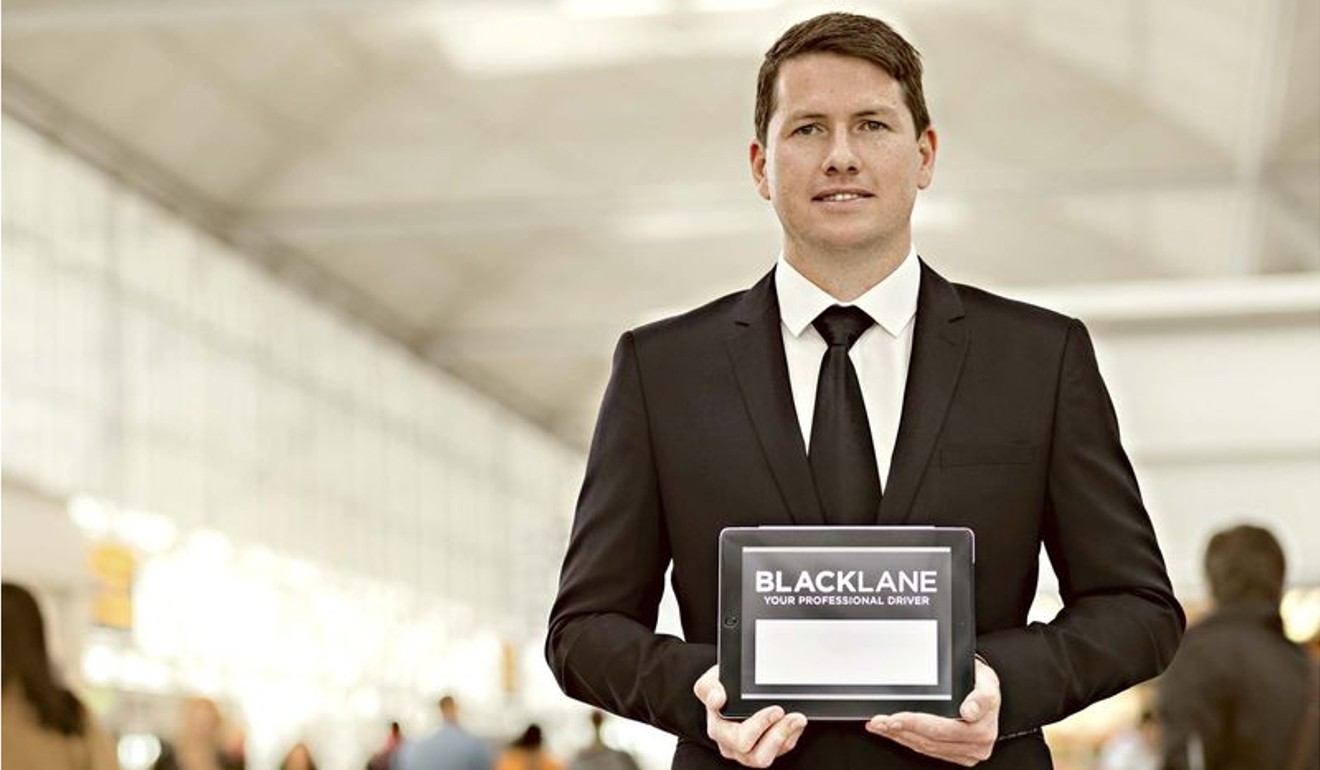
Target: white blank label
{"x":843,"y":652}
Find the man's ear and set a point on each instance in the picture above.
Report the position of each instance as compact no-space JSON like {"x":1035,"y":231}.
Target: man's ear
{"x":756,"y":155}
{"x":927,"y":144}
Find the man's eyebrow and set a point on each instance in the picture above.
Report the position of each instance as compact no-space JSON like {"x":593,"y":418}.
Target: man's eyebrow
{"x":882,"y":110}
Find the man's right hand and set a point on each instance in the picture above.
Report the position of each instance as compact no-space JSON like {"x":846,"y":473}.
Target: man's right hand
{"x":756,"y":741}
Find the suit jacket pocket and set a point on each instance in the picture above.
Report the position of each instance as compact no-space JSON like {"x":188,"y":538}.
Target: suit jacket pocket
{"x":954,"y":455}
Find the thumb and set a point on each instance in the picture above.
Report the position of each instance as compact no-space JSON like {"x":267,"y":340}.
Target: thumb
{"x":971,"y":708}
{"x":709,"y":690}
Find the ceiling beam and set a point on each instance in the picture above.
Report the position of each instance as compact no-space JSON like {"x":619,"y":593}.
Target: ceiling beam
{"x":1283,"y":299}
{"x":1267,"y":87}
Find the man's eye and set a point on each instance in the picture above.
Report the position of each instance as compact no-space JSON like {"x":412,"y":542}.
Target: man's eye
{"x":806,"y":130}
{"x":873,"y":125}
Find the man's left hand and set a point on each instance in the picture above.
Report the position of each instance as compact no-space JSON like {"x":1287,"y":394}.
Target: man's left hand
{"x":965,"y":741}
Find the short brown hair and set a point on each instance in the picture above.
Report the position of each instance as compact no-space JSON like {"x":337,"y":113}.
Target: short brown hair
{"x":1244,"y":564}
{"x":846,"y":34}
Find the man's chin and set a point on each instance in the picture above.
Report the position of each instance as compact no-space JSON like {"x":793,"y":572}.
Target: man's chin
{"x":848,"y":244}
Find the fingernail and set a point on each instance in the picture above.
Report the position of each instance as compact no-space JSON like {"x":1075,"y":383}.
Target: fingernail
{"x":881,"y":724}
{"x":971,"y":710}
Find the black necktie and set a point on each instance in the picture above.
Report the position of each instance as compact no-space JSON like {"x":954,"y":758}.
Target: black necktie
{"x":842,"y":456}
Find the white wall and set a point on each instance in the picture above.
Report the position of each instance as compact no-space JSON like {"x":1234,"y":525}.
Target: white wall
{"x":1222,"y":419}
{"x":1216,"y":383}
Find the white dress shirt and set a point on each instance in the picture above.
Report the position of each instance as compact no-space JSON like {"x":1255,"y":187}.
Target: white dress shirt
{"x":880,"y":355}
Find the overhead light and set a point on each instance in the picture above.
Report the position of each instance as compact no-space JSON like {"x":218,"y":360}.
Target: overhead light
{"x":613,"y":9}
{"x":513,"y":38}
{"x":90,"y":515}
{"x":732,"y":6}
{"x":509,"y":40}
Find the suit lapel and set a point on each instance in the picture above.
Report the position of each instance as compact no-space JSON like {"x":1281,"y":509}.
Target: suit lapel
{"x":939,"y":346}
{"x":756,"y":348}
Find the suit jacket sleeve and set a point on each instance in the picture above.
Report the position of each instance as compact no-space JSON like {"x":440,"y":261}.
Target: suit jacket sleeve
{"x":602,"y":645}
{"x":1120,"y":623}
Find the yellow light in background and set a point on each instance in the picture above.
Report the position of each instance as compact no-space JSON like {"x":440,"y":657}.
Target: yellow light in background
{"x":1301,"y":613}
{"x":112,"y":570}
{"x":510,"y":682}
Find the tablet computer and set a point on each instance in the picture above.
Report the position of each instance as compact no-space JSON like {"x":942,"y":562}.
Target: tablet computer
{"x":846,"y":622}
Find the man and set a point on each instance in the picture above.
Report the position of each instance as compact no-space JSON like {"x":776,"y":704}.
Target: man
{"x":1240,"y":695}
{"x":450,"y":747}
{"x":978,"y":412}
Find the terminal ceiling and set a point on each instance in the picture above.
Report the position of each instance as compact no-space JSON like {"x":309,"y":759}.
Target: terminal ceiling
{"x":503,"y":187}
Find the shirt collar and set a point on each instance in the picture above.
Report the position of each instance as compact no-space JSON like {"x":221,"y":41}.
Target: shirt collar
{"x":892,"y":302}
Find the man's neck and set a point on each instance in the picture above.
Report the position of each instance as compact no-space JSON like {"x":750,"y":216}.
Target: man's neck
{"x":845,"y":276}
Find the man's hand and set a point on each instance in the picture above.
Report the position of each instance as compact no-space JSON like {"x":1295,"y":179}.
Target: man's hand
{"x":755,"y":742}
{"x":965,"y":741}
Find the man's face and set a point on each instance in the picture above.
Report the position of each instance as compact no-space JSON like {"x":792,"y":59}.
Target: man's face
{"x":842,"y":162}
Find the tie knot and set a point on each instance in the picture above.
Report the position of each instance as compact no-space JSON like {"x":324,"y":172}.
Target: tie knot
{"x":842,"y":325}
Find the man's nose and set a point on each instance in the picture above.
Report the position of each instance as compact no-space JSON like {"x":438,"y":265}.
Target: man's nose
{"x":841,"y":157}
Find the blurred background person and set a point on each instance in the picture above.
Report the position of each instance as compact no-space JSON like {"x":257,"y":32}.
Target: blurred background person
{"x":45,"y":726}
{"x":598,"y":755}
{"x":1240,"y":695}
{"x":449,"y":747}
{"x":233,"y":745}
{"x":1133,"y":747}
{"x":527,"y":752}
{"x":200,"y":742}
{"x":381,"y":759}
{"x":298,"y":758}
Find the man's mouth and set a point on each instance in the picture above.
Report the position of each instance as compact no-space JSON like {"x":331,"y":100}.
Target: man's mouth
{"x":837,"y":197}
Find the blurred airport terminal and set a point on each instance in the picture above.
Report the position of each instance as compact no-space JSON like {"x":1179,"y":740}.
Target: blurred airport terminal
{"x":308,"y":306}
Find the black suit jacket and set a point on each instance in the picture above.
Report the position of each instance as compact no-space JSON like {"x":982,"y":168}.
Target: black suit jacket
{"x":1006,"y":428}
